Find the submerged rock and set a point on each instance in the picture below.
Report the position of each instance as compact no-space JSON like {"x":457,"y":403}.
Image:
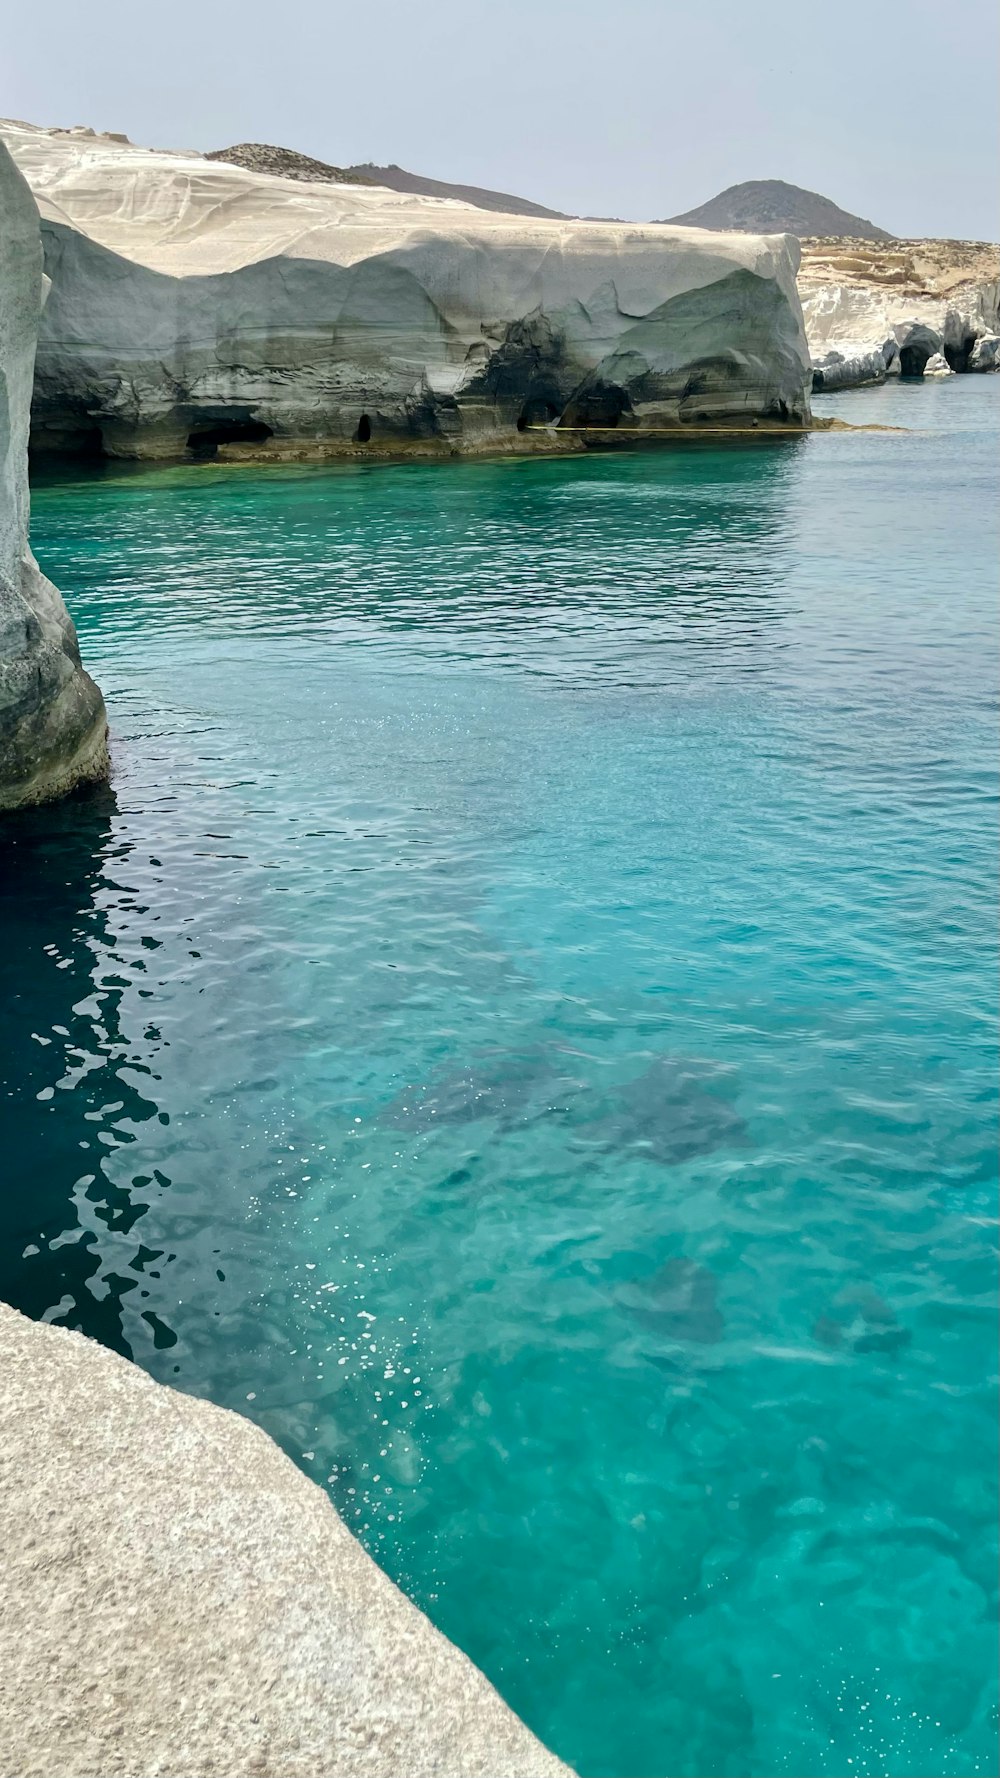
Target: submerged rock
{"x":198,"y":305}
{"x":677,"y":1303}
{"x":177,"y":1597}
{"x":507,"y":1087}
{"x":53,"y":729}
{"x":667,"y":1114}
{"x":859,"y":1318}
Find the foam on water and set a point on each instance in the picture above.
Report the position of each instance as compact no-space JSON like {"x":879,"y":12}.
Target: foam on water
{"x":521,"y":1026}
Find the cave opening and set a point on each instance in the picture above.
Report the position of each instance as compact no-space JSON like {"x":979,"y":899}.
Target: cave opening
{"x":958,"y":356}
{"x":598,"y":409}
{"x":50,"y":439}
{"x":912,"y":360}
{"x":364,"y":432}
{"x":536,"y":413}
{"x":205,"y":439}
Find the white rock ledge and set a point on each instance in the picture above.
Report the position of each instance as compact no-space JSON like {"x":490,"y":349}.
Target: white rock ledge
{"x":196,"y":305}
{"x":176,"y":1598}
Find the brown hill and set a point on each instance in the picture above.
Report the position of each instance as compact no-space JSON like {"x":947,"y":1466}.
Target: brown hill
{"x":769,"y":206}
{"x":286,"y":163}
{"x":398,"y":179}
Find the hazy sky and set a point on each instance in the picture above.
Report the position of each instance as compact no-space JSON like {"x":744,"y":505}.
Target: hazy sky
{"x":636,"y":108}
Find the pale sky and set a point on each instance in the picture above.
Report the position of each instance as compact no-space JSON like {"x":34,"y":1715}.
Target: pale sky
{"x":634,"y":108}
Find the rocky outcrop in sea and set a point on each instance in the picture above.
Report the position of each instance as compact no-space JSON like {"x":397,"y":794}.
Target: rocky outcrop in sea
{"x":198,"y":304}
{"x":53,"y":728}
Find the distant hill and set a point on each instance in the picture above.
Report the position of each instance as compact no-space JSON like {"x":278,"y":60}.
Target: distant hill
{"x":286,"y":163}
{"x":398,"y":179}
{"x":769,"y":207}
{"x":760,"y":206}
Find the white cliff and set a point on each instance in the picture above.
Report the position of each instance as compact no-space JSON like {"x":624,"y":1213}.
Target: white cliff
{"x":53,"y":730}
{"x":911,"y":308}
{"x":197,"y":303}
{"x":177,"y":1598}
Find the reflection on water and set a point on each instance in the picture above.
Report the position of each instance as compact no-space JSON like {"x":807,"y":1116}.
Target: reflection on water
{"x":522,"y":1029}
{"x":77,"y":1089}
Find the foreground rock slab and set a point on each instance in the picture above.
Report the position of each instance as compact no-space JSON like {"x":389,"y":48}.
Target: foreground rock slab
{"x":176,"y":1598}
{"x":53,"y":729}
{"x":198,"y":305}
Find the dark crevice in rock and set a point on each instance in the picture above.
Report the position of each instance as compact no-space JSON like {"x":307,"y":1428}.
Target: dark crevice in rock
{"x":958,"y":356}
{"x":537,"y":413}
{"x":205,"y":438}
{"x":912,"y":359}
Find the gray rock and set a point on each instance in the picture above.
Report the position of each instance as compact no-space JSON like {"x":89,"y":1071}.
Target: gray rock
{"x":851,"y":370}
{"x":53,"y":729}
{"x":176,"y":1598}
{"x":985,"y":354}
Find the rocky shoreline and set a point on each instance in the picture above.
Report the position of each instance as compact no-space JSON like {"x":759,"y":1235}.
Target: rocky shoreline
{"x":876,"y":309}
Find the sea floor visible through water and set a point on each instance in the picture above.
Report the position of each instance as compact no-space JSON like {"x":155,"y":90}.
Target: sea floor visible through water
{"x":521,"y":1026}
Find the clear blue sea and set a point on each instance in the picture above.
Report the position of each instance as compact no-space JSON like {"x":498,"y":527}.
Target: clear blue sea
{"x":521,"y":1026}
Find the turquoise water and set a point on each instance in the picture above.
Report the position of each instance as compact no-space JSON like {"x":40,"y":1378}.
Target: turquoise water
{"x":521,"y":1027}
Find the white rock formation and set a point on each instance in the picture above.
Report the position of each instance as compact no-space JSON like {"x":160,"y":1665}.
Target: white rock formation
{"x":176,"y":1598}
{"x":874,"y":310}
{"x":53,"y":729}
{"x":197,"y":301}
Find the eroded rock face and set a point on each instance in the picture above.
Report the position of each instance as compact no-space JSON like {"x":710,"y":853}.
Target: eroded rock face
{"x":176,"y":1598}
{"x":53,"y":729}
{"x":874,"y":310}
{"x":198,"y":304}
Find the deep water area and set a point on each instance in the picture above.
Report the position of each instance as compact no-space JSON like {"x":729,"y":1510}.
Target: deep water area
{"x":520,"y":1025}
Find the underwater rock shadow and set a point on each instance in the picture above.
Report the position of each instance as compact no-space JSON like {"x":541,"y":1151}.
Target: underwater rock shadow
{"x":668,"y":1113}
{"x":860,"y":1320}
{"x":678,"y":1302}
{"x":507,"y":1086}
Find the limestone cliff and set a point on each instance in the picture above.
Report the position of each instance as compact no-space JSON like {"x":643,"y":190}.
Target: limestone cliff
{"x":176,"y":1598}
{"x":53,"y":730}
{"x":914,"y":308}
{"x":196,"y":303}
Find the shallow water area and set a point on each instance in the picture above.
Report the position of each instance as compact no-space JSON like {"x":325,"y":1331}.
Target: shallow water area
{"x":521,"y":1027}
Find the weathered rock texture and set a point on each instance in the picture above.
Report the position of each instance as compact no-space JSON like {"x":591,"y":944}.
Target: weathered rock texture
{"x":873,"y":311}
{"x":178,"y":1599}
{"x":53,"y":730}
{"x":195,"y":303}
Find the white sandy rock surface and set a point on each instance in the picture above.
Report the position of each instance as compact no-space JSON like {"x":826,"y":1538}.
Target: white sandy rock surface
{"x":878,"y":309}
{"x":53,"y":729}
{"x":193,"y":299}
{"x":177,"y":1599}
